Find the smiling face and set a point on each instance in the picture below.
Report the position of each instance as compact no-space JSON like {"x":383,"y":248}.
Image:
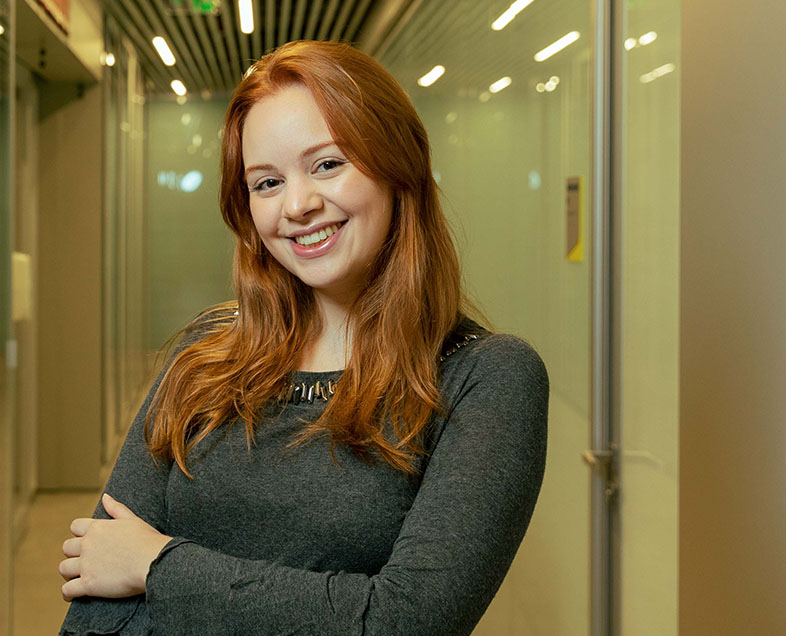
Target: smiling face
{"x":317,"y":214}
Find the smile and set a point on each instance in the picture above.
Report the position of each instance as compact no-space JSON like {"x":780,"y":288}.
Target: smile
{"x":312,"y":240}
{"x":317,"y":243}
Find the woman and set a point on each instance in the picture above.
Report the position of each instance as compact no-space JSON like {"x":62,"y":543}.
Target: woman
{"x":342,"y":451}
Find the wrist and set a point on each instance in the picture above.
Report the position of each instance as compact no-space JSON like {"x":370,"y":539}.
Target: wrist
{"x":155,"y":547}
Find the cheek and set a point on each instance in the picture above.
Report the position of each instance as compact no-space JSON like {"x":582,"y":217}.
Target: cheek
{"x":264,"y":222}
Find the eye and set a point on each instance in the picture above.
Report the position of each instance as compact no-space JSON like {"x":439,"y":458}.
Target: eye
{"x":265,"y":184}
{"x":329,"y":164}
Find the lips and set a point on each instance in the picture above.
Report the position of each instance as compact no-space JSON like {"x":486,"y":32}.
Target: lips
{"x":302,"y":248}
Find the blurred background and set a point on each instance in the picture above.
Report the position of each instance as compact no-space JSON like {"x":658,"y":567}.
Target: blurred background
{"x":610,"y":170}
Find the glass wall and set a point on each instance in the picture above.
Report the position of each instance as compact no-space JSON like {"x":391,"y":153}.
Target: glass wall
{"x":189,"y":258}
{"x":649,"y":85}
{"x":512,"y":153}
{"x":125,"y":361}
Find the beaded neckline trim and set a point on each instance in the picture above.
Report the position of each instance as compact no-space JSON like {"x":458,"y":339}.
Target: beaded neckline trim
{"x":455,"y":346}
{"x":302,"y":392}
{"x":297,"y":392}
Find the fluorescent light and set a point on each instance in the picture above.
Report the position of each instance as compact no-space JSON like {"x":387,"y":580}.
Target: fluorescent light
{"x":630,"y":43}
{"x":246,"y":11}
{"x":178,"y":87}
{"x":656,"y":73}
{"x":648,"y":38}
{"x":556,"y":47}
{"x":432,"y":76}
{"x":511,"y":12}
{"x":163,"y":50}
{"x":501,"y":83}
{"x":2,"y":29}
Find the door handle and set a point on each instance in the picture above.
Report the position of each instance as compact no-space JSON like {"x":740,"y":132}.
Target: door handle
{"x":604,"y":463}
{"x":597,"y":459}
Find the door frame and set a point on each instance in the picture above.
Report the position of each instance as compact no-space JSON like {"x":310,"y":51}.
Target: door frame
{"x":605,"y":357}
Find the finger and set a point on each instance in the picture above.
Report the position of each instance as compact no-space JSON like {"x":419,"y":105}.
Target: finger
{"x":72,"y":547}
{"x":72,"y":589}
{"x":79,"y":526}
{"x":116,"y":509}
{"x":69,"y":568}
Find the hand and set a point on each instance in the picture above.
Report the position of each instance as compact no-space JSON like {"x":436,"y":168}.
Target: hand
{"x":109,"y":557}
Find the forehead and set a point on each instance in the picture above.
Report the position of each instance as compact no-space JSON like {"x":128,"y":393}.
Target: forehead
{"x":288,"y":117}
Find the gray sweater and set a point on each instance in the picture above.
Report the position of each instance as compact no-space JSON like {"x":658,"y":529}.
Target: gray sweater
{"x":276,"y":541}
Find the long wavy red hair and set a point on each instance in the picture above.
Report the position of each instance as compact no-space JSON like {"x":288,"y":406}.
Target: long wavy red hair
{"x":399,"y":322}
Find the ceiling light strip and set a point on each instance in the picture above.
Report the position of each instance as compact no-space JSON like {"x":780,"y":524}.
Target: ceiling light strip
{"x":178,"y":87}
{"x":501,"y":83}
{"x":511,"y":12}
{"x":432,"y":76}
{"x":246,"y":10}
{"x":164,"y":51}
{"x":554,"y":48}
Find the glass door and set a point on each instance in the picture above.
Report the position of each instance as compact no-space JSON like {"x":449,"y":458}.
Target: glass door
{"x":647,"y":52}
{"x":506,"y":92}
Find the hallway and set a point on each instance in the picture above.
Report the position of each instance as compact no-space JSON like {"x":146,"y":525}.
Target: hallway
{"x":38,"y":607}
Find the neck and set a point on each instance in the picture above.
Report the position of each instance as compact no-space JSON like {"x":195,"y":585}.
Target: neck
{"x":330,"y":349}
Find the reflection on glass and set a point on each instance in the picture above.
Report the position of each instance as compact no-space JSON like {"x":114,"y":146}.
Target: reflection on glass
{"x":555,"y":47}
{"x":656,"y":73}
{"x":503,"y":160}
{"x":511,"y":12}
{"x":501,"y":83}
{"x":432,"y":76}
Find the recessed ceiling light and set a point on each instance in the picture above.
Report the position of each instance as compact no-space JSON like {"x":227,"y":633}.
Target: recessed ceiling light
{"x":178,"y":87}
{"x":164,"y":51}
{"x":246,"y":11}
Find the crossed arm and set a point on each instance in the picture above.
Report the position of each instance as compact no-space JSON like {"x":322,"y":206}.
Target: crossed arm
{"x":453,"y":550}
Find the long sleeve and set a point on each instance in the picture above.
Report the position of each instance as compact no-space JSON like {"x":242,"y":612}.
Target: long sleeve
{"x":453,"y":550}
{"x":140,"y":483}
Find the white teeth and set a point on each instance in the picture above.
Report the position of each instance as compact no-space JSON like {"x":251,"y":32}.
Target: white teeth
{"x":316,"y":237}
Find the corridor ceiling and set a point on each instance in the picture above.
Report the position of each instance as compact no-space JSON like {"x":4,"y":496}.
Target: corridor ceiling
{"x":212,"y":52}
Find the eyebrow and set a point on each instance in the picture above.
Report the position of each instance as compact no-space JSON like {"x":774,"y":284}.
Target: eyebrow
{"x":305,"y":153}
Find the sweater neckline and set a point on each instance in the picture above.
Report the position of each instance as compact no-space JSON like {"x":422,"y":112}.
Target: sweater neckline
{"x":313,"y":376}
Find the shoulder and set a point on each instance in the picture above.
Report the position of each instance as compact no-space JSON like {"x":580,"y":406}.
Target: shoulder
{"x":496,"y":362}
{"x":498,"y":354}
{"x":472,"y":347}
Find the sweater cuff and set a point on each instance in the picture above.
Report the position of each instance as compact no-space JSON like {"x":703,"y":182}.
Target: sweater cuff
{"x":185,"y":588}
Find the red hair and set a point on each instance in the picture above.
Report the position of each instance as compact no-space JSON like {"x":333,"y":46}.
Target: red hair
{"x":399,"y":322}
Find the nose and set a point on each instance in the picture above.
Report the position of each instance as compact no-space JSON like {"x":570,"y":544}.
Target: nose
{"x":300,"y":198}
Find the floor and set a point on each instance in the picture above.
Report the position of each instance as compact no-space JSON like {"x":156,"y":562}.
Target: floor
{"x":38,"y":606}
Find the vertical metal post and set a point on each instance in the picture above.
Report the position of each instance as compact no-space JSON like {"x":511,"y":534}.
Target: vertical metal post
{"x":604,"y":443}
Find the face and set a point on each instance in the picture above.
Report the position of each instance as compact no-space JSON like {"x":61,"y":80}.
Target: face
{"x":317,"y":214}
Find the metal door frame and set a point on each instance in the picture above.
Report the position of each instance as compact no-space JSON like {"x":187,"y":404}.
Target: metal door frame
{"x":605,"y":408}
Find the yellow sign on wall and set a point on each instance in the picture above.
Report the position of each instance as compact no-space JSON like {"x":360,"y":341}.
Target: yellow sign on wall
{"x":574,"y":230}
